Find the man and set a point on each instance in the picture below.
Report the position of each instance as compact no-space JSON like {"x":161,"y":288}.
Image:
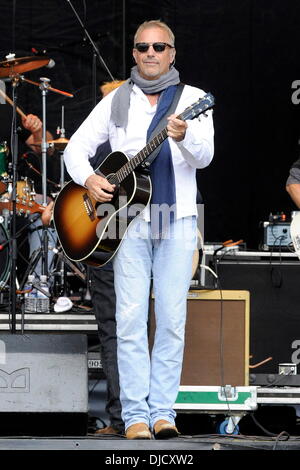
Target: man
{"x":149,"y":385}
{"x":293,"y":183}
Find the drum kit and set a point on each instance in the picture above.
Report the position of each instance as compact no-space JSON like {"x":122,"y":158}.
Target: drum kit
{"x":18,"y":196}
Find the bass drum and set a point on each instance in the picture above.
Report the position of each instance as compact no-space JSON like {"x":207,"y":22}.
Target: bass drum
{"x":5,"y":261}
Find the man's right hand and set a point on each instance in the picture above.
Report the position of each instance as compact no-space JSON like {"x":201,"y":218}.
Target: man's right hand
{"x":100,"y":188}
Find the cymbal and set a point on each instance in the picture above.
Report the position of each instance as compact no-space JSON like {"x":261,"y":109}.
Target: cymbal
{"x":60,"y":143}
{"x":21,"y":64}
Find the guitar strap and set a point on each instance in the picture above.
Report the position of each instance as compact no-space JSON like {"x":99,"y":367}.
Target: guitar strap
{"x":161,"y":125}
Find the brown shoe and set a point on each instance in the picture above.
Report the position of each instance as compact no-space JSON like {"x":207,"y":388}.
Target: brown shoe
{"x":164,"y":430}
{"x":138,"y":431}
{"x":107,"y":430}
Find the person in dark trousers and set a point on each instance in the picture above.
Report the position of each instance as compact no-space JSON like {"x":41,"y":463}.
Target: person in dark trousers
{"x":104,"y":305}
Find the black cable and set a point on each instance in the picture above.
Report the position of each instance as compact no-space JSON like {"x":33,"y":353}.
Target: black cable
{"x":84,"y":11}
{"x":222,"y":350}
{"x":276,"y":283}
{"x":221,"y":353}
{"x":278,"y":438}
{"x":124,"y":40}
{"x":269,"y":433}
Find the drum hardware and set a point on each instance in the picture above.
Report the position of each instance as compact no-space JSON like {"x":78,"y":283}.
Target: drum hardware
{"x":30,"y":165}
{"x":4,"y":152}
{"x":59,"y":144}
{"x":62,"y":139}
{"x":45,"y":87}
{"x":14,"y":153}
{"x":19,"y":194}
{"x":5,"y":259}
{"x":12,"y":68}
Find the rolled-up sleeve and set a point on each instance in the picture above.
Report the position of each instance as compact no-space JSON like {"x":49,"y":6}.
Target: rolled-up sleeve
{"x":197,"y":148}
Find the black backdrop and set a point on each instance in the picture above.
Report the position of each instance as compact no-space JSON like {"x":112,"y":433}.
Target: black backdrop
{"x":246,"y":52}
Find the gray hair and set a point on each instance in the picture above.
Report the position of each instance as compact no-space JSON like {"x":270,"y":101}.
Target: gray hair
{"x":155,"y":24}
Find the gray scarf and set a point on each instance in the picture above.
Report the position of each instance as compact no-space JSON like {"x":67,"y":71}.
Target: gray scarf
{"x":121,"y":99}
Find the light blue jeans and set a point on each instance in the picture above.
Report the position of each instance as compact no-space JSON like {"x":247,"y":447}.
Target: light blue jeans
{"x":149,"y":386}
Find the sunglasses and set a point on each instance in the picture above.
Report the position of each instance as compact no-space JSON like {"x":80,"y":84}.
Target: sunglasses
{"x":157,"y":46}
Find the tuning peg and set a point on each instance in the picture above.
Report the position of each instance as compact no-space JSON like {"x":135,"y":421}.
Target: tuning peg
{"x":202,"y":114}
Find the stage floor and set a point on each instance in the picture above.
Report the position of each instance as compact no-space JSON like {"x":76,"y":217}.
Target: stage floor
{"x":118,"y":446}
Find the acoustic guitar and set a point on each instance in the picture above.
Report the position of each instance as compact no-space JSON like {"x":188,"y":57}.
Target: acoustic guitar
{"x":91,"y":232}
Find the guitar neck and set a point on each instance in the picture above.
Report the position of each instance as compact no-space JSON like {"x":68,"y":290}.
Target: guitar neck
{"x":138,"y":159}
{"x":190,"y":112}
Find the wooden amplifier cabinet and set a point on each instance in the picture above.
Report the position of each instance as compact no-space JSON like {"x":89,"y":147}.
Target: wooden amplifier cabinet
{"x":216,"y":339}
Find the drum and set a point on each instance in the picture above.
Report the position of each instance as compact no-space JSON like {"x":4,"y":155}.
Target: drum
{"x":4,"y":151}
{"x":3,"y":166}
{"x":5,"y":260}
{"x":3,"y":187}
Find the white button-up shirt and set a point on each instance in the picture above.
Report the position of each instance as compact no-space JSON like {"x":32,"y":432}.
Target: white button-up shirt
{"x":194,"y":151}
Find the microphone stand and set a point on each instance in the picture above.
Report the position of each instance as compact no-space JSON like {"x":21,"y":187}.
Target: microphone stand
{"x":44,"y":86}
{"x":13,"y":245}
{"x":96,"y":54}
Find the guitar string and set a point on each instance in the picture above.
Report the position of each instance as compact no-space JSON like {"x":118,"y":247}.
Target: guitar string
{"x":128,"y":168}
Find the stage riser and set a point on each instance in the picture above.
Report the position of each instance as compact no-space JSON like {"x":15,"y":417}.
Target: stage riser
{"x":43,"y":375}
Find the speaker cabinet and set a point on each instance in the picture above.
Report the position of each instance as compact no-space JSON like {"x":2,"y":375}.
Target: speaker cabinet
{"x":43,"y":382}
{"x":275,"y":308}
{"x":216,"y":338}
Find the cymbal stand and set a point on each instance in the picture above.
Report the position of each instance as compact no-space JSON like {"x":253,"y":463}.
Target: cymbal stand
{"x":63,"y":268}
{"x":44,"y":86}
{"x":61,"y":132}
{"x":45,"y":82}
{"x":13,"y":237}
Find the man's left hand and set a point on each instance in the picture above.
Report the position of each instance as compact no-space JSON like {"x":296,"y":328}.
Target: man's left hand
{"x":176,"y":128}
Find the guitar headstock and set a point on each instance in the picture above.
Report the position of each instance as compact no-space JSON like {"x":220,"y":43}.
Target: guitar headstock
{"x":22,"y":208}
{"x":199,"y":107}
